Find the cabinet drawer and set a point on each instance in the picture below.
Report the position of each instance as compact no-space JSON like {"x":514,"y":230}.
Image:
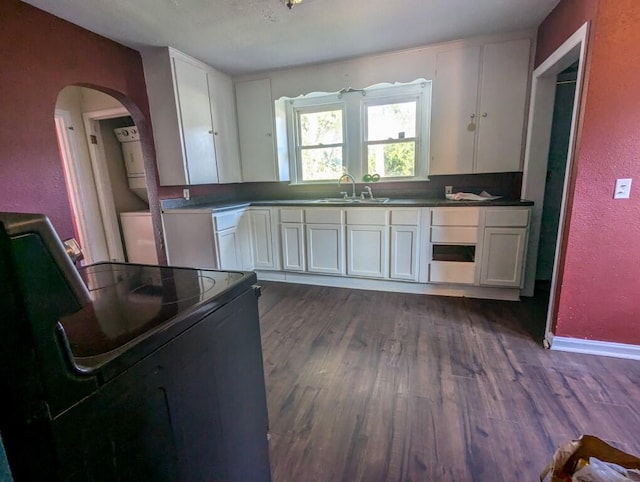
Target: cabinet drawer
{"x":324,"y":216}
{"x":506,"y":217}
{"x":455,"y":216}
{"x":452,"y":272}
{"x":369,"y":217}
{"x":462,"y":235}
{"x":405,"y":217}
{"x":226,"y":220}
{"x":291,"y":215}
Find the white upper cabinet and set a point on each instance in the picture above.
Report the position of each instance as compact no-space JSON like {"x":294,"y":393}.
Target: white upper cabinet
{"x":453,"y":111}
{"x":199,"y":155}
{"x":256,"y":129}
{"x":479,"y":103}
{"x":189,"y":102}
{"x":225,"y":126}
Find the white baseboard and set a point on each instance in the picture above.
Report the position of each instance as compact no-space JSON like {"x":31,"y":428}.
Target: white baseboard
{"x":505,"y":294}
{"x":593,"y":347}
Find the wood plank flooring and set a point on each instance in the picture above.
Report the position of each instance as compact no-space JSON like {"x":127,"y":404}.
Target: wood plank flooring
{"x":374,"y":386}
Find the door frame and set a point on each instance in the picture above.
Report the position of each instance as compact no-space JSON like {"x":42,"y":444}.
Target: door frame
{"x":81,"y":190}
{"x":102,"y":180}
{"x":543,"y":91}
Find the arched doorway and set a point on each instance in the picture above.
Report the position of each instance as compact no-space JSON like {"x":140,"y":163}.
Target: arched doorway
{"x":105,"y":176}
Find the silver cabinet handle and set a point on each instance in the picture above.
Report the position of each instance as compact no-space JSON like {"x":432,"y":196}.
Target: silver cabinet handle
{"x":484,"y":114}
{"x":473,"y":116}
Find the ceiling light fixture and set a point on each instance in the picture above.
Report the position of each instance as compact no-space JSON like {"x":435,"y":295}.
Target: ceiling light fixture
{"x":291,"y":3}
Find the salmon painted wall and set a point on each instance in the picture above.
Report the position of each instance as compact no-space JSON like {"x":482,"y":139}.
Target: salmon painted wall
{"x":601,"y":269}
{"x":42,"y":54}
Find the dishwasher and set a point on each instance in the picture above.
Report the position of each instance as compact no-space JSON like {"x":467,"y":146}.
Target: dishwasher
{"x":128,"y":372}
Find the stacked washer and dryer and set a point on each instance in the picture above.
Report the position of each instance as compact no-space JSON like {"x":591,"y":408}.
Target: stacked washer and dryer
{"x":137,"y":228}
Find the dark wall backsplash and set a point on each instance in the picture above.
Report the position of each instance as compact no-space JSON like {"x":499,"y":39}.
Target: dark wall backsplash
{"x":507,"y":185}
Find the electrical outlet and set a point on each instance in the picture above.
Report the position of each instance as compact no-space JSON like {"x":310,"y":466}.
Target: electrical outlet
{"x":186,"y":194}
{"x":623,"y":189}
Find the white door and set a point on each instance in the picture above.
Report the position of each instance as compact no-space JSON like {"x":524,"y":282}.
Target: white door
{"x":502,"y":256}
{"x":262,"y":239}
{"x":225,"y":126}
{"x":503,"y":96}
{"x":189,"y":240}
{"x":367,"y":248}
{"x":325,"y":250}
{"x":197,"y":128}
{"x":255,"y":126}
{"x":82,"y":191}
{"x":404,"y":253}
{"x":454,"y":121}
{"x":228,"y":247}
{"x":293,"y":258}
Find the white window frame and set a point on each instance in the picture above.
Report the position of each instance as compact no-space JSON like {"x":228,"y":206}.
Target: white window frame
{"x":326,"y":105}
{"x":354,"y":103}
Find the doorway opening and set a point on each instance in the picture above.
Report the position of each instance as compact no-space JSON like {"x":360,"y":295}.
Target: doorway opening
{"x":551,"y":135}
{"x":105,"y":177}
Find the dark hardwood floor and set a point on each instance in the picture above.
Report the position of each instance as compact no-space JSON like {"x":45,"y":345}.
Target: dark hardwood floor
{"x":376,"y":386}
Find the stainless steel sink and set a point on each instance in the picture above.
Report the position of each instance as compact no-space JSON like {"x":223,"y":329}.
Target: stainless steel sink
{"x":341,"y":200}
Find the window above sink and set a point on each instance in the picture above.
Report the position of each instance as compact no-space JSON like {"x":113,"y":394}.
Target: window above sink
{"x":383,"y":129}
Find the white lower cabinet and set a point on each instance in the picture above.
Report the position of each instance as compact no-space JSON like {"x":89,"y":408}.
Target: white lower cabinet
{"x":202,"y":239}
{"x":293,"y":251}
{"x":367,"y":242}
{"x":189,"y":239}
{"x":325,"y":248}
{"x":367,"y":251}
{"x":404,"y":253}
{"x":228,"y":248}
{"x":453,"y":241}
{"x":263,"y":238}
{"x":469,"y":248}
{"x":502,"y":256}
{"x":504,"y":246}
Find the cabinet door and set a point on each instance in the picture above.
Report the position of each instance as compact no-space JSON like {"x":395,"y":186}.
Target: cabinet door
{"x":502,"y":256}
{"x":262,"y":239}
{"x":245,"y":241}
{"x":196,"y":124}
{"x":255,"y":127}
{"x":503,"y":96}
{"x":292,"y":236}
{"x":189,"y":240}
{"x":228,"y":248}
{"x":325,"y":248}
{"x":367,"y":248}
{"x":225,"y":126}
{"x":404,"y":253}
{"x":453,"y":123}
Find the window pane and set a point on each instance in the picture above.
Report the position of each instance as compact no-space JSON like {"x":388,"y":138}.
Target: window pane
{"x":392,"y":160}
{"x":391,"y":121}
{"x":321,"y":164}
{"x":318,"y":128}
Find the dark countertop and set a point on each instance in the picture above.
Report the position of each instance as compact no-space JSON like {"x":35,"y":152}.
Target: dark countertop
{"x":182,"y":205}
{"x":396,"y":202}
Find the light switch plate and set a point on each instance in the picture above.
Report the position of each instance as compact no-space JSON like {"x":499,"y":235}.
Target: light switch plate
{"x":623,"y":189}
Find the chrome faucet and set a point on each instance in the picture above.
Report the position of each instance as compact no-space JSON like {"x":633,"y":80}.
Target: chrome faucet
{"x":353,"y":183}
{"x":363,"y":194}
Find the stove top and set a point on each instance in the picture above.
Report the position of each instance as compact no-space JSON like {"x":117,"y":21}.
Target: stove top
{"x":128,"y":302}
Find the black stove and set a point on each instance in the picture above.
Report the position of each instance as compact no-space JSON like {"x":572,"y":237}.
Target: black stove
{"x":126,"y":372}
{"x":131,"y":305}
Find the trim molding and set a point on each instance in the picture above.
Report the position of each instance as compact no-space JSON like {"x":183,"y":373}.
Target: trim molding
{"x":594,"y":347}
{"x":468,"y":291}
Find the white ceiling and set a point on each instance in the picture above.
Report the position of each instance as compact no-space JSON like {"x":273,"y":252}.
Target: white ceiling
{"x":242,"y":36}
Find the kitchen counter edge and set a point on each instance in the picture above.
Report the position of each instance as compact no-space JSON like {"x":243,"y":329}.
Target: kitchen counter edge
{"x":176,"y":205}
